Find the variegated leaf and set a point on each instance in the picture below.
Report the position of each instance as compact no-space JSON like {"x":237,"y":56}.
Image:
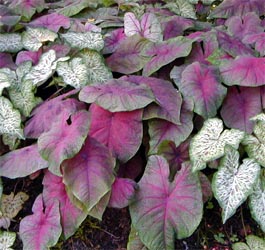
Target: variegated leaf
{"x":253,"y":243}
{"x":182,"y":8}
{"x":10,"y":42}
{"x":73,"y":72}
{"x":232,"y":184}
{"x":7,"y":78}
{"x":209,"y":143}
{"x":11,"y":141}
{"x":7,"y":239}
{"x":33,"y":38}
{"x":87,"y":40}
{"x":10,"y":119}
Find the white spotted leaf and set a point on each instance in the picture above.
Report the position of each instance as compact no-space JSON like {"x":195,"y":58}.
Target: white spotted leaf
{"x":182,"y":8}
{"x":253,"y":243}
{"x":233,"y":183}
{"x":7,"y":78}
{"x":10,"y":42}
{"x":209,"y":144}
{"x":7,"y":239}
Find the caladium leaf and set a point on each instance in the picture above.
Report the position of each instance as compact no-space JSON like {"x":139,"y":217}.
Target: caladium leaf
{"x":112,"y":40}
{"x":33,"y":38}
{"x":27,"y":8}
{"x":93,"y":168}
{"x":122,"y":192}
{"x":118,"y":95}
{"x":253,"y":243}
{"x":202,"y":85}
{"x":6,"y":61}
{"x":134,"y":242}
{"x":10,"y":119}
{"x":53,"y":21}
{"x":49,"y":112}
{"x":232,"y":184}
{"x":182,"y":8}
{"x":7,"y":17}
{"x":230,"y":8}
{"x":165,"y":52}
{"x":127,"y":57}
{"x":149,"y":26}
{"x":166,"y":209}
{"x":168,"y":99}
{"x":206,"y":187}
{"x":209,"y":144}
{"x":71,"y":216}
{"x":80,"y":40}
{"x":10,"y":42}
{"x":258,"y":40}
{"x":244,"y":71}
{"x":22,"y":162}
{"x":32,"y":56}
{"x":239,"y":106}
{"x":7,"y":239}
{"x":121,"y":132}
{"x":7,"y":78}
{"x":42,"y":229}
{"x":64,"y":140}
{"x":70,"y":8}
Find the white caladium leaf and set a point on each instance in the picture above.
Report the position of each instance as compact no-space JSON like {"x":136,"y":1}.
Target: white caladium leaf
{"x":257,"y":201}
{"x":7,"y":239}
{"x":33,"y":38}
{"x":182,"y":8}
{"x":73,"y":72}
{"x":10,"y":42}
{"x":10,"y":119}
{"x":232,"y":184}
{"x":209,"y":144}
{"x":253,"y":243}
{"x":7,"y":78}
{"x":82,"y":40}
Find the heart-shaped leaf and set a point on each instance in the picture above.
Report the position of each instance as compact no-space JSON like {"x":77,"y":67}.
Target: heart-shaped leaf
{"x":209,"y":143}
{"x":7,"y":239}
{"x":182,"y":8}
{"x":112,"y":40}
{"x":232,"y":184}
{"x":42,"y":229}
{"x":10,"y":42}
{"x":258,"y":40}
{"x":70,"y":8}
{"x":32,"y":56}
{"x":163,"y":209}
{"x":6,"y":61}
{"x":253,"y":243}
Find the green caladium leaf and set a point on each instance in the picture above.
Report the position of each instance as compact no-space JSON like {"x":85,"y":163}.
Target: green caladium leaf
{"x":33,"y":38}
{"x":84,"y":40}
{"x":11,"y":141}
{"x":255,"y":144}
{"x":257,"y":201}
{"x":232,"y":184}
{"x":7,"y":78}
{"x":208,"y":2}
{"x":209,"y":144}
{"x":182,"y":8}
{"x":134,"y":241}
{"x":10,"y":119}
{"x":10,"y":42}
{"x":7,"y":239}
{"x":253,"y":243}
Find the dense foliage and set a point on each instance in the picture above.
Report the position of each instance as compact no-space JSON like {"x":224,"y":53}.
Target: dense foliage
{"x":141,"y":99}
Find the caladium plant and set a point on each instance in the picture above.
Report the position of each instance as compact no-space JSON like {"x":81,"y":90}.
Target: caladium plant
{"x":129,"y":84}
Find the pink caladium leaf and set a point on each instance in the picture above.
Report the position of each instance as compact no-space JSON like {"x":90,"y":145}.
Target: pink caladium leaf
{"x":164,"y":210}
{"x":71,"y":216}
{"x":245,"y":71}
{"x":118,"y":95}
{"x":48,"y":112}
{"x":22,"y":162}
{"x":239,"y":106}
{"x":41,"y":230}
{"x":6,"y":61}
{"x":89,"y":175}
{"x":241,"y":26}
{"x":64,"y":140}
{"x":258,"y":40}
{"x":121,"y":132}
{"x":32,"y":56}
{"x":206,"y":187}
{"x":53,"y":21}
{"x":122,"y":192}
{"x":202,"y":85}
{"x":165,"y":52}
{"x":113,"y":40}
{"x":230,"y":8}
{"x":61,"y":50}
{"x":127,"y":57}
{"x":7,"y":17}
{"x":149,"y":26}
{"x":168,"y":99}
{"x":27,"y":8}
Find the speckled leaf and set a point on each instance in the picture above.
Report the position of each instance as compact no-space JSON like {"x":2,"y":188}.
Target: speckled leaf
{"x":7,"y":239}
{"x":118,"y":95}
{"x":10,"y":119}
{"x":89,"y":175}
{"x":209,"y":143}
{"x":89,"y":40}
{"x":10,"y":42}
{"x":22,"y":162}
{"x":121,"y":132}
{"x":232,"y":184}
{"x":165,"y":52}
{"x":202,"y":85}
{"x":182,"y":8}
{"x":164,"y":210}
{"x":64,"y":140}
{"x":253,"y":243}
{"x":42,"y":229}
{"x":33,"y":38}
{"x":7,"y":78}
{"x":240,"y":104}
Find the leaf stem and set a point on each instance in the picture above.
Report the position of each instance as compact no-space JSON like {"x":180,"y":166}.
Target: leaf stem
{"x":242,"y":220}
